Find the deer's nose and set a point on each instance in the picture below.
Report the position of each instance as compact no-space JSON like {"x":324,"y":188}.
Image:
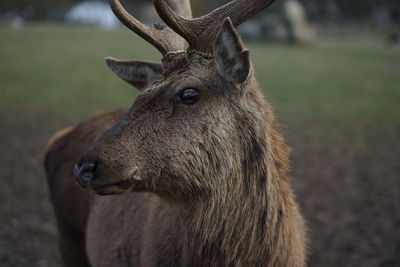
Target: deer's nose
{"x":84,"y":173}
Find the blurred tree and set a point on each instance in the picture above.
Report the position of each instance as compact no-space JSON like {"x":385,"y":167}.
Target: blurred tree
{"x":333,"y":10}
{"x":33,"y":9}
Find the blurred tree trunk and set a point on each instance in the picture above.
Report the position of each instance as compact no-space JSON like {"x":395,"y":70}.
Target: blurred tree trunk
{"x":300,"y":30}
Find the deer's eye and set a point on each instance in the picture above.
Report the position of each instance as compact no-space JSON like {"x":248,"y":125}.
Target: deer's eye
{"x":189,"y":96}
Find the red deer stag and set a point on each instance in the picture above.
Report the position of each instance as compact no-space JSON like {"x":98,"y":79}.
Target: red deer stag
{"x":198,"y":156}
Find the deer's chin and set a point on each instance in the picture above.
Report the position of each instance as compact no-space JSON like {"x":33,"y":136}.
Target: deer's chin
{"x":110,"y":190}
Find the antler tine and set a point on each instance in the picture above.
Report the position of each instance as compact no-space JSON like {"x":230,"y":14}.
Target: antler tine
{"x":201,"y":32}
{"x":183,"y":7}
{"x":163,"y":38}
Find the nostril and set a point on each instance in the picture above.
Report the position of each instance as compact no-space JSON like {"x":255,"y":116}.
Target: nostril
{"x":88,"y":167}
{"x":84,"y":173}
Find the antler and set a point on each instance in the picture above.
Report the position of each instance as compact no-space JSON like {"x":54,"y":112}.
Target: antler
{"x":201,"y":32}
{"x":160,"y":36}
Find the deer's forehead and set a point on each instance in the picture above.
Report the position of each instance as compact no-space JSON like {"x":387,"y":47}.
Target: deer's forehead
{"x":175,"y":81}
{"x":195,"y":75}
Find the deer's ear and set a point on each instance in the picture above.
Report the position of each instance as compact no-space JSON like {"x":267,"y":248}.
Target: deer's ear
{"x":137,"y":73}
{"x":232,"y":58}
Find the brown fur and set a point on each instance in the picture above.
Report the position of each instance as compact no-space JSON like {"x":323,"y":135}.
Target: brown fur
{"x":205,"y":184}
{"x":251,"y":221}
{"x":72,"y":205}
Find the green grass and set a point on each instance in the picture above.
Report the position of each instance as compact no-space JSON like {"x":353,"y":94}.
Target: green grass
{"x":60,"y":71}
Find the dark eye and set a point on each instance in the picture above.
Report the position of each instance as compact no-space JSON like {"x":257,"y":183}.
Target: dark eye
{"x":189,"y":96}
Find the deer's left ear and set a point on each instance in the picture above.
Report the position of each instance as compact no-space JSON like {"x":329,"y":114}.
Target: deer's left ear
{"x":232,"y":58}
{"x":137,"y":73}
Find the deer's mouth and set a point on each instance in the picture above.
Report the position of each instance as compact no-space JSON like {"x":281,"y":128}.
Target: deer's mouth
{"x":113,"y":187}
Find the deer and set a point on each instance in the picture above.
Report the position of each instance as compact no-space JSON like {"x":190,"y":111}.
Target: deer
{"x":195,"y":172}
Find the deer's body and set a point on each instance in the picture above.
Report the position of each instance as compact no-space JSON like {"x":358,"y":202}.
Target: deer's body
{"x":200,"y":159}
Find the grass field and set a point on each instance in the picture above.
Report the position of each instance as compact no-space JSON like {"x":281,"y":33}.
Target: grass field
{"x":48,"y":69}
{"x":338,"y":102}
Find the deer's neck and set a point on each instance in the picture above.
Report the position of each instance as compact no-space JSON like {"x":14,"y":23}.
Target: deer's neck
{"x":252,"y":220}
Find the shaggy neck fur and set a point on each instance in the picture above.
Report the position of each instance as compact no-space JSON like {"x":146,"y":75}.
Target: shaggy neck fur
{"x":252,"y":219}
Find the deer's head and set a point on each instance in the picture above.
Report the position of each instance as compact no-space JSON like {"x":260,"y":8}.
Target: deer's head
{"x":196,"y":112}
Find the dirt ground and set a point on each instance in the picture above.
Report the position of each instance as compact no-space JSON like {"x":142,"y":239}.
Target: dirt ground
{"x":348,"y":188}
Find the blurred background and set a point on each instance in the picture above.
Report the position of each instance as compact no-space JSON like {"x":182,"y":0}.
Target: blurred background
{"x":330,"y":69}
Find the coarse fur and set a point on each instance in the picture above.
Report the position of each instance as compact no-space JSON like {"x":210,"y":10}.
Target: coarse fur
{"x":250,"y":219}
{"x":201,"y":184}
